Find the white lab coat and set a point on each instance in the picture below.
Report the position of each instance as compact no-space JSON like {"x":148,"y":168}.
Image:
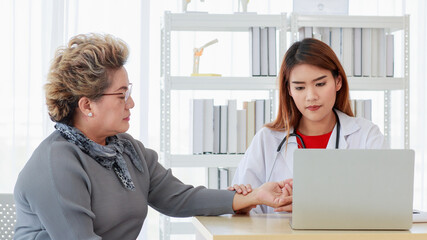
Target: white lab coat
{"x":256,"y":167}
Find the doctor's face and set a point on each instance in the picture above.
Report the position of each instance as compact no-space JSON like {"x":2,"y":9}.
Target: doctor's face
{"x":313,"y":90}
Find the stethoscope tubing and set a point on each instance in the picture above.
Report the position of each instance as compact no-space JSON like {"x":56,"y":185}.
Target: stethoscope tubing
{"x":294,"y":134}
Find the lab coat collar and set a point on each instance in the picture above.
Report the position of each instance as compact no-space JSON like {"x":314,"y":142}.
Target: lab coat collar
{"x":348,"y":126}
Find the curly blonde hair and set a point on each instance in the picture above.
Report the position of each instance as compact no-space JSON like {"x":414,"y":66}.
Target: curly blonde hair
{"x":81,"y":69}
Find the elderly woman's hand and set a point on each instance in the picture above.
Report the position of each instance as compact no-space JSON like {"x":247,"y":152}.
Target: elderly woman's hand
{"x":241,"y":189}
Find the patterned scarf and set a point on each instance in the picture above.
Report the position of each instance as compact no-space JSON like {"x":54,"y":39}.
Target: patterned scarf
{"x":109,"y":156}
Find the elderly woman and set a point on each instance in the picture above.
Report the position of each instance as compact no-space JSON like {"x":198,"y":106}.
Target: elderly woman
{"x":91,"y":180}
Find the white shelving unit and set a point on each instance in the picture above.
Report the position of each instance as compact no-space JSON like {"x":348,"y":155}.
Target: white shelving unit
{"x":386,"y":84}
{"x":202,"y":22}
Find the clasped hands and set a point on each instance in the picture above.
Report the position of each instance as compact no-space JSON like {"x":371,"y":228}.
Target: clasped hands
{"x":274,"y":194}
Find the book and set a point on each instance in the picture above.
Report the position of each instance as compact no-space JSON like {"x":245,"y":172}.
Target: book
{"x":366,"y":52}
{"x":208,"y":131}
{"x":256,"y":51}
{"x":217,"y":129}
{"x":301,"y":33}
{"x":272,"y":63}
{"x":360,"y":108}
{"x":223,"y":178}
{"x":353,"y":106}
{"x":308,"y":32}
{"x":250,"y":121}
{"x":267,"y":111}
{"x":368,"y":109}
{"x":389,"y":55}
{"x":232,"y":126}
{"x":374,"y":53}
{"x":259,"y":115}
{"x":317,"y":33}
{"x":241,"y":131}
{"x":347,"y":50}
{"x":231,"y":172}
{"x":326,"y":36}
{"x":264,"y":52}
{"x":213,"y":178}
{"x":357,"y":69}
{"x":197,"y":116}
{"x":381,"y":53}
{"x":336,"y":41}
{"x":224,"y":128}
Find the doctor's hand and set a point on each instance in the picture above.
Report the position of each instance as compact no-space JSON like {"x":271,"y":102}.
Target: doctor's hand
{"x":274,"y":194}
{"x":287,"y":188}
{"x":241,"y":189}
{"x":270,"y":194}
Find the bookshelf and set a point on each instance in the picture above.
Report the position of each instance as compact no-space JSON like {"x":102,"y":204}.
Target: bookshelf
{"x":204,"y":22}
{"x":391,"y":24}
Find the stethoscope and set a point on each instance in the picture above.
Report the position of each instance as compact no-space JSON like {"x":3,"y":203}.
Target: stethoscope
{"x":294,"y":134}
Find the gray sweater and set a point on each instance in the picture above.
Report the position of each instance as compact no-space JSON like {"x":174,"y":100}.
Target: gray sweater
{"x":62,"y":193}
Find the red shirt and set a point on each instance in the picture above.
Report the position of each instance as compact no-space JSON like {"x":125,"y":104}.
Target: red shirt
{"x":320,"y":141}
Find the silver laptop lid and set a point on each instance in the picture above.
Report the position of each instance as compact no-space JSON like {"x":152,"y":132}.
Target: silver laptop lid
{"x":353,"y":189}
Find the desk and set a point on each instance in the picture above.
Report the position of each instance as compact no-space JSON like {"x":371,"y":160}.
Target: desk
{"x":276,"y":226}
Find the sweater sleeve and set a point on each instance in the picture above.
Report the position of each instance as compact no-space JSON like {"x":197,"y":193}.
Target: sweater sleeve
{"x":170,"y":196}
{"x":52,"y":197}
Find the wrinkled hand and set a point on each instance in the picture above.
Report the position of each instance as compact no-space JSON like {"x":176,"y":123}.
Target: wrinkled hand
{"x":241,"y":189}
{"x":275,"y":194}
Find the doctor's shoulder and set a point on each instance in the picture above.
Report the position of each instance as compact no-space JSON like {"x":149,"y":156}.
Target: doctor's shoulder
{"x":268,"y":137}
{"x":368,"y":135}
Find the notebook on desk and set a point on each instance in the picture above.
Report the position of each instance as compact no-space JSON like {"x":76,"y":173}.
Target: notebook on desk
{"x":353,"y":189}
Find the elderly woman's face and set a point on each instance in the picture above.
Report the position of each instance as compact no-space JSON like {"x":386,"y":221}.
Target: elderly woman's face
{"x":112,"y":112}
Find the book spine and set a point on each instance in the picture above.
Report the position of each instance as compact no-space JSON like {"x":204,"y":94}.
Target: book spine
{"x":374,"y":53}
{"x":259,"y":114}
{"x":213,"y":178}
{"x":264,"y":51}
{"x":223,"y":133}
{"x":347,"y":50}
{"x":217,"y":129}
{"x":208,"y":130}
{"x":256,"y":51}
{"x":232,"y":126}
{"x":197,"y":134}
{"x":366,"y":52}
{"x":241,"y":131}
{"x":389,"y":55}
{"x":250,"y":122}
{"x":267,"y":111}
{"x":336,"y":41}
{"x":357,"y":71}
{"x":326,"y":35}
{"x":272,"y":63}
{"x":381,"y":53}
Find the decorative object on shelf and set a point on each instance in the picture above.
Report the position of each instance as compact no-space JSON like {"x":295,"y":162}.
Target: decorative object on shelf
{"x":244,"y":4}
{"x":196,"y":60}
{"x":185,"y":4}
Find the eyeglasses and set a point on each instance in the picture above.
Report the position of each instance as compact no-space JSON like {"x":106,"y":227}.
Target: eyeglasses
{"x":126,"y":94}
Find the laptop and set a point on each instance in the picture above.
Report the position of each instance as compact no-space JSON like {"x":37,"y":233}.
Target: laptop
{"x":355,"y":189}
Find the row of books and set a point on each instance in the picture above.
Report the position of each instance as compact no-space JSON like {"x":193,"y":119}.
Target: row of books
{"x":362,"y":108}
{"x":263,"y":44}
{"x":220,"y":178}
{"x":226,"y":129}
{"x":362,"y":51}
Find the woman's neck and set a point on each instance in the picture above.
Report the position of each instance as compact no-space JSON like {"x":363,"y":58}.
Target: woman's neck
{"x":315,"y":128}
{"x":86,"y":130}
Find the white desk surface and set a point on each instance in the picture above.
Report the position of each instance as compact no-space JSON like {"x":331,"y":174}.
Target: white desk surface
{"x":276,"y":226}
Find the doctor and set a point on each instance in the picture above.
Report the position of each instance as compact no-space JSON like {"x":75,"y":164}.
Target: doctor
{"x":314,"y":112}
